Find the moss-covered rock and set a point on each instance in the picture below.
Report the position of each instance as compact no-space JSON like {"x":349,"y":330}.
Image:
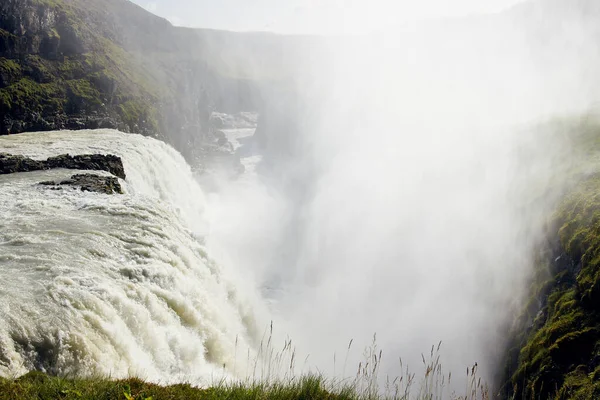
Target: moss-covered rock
{"x":72,"y":64}
{"x":556,"y":352}
{"x":58,"y":70}
{"x":88,"y":183}
{"x":10,"y":164}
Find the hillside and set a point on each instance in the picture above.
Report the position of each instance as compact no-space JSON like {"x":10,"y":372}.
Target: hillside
{"x":74,"y":64}
{"x":555,"y":348}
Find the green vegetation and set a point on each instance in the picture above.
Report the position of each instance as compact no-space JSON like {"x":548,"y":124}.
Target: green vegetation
{"x":39,"y":386}
{"x":38,"y":69}
{"x":116,"y":65}
{"x":80,"y":72}
{"x":138,"y":113}
{"x":26,"y":94}
{"x":9,"y":68}
{"x":270,"y":375}
{"x":559,"y":346}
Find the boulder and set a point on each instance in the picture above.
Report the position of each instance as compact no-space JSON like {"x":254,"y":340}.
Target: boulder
{"x":10,"y":164}
{"x":95,"y":162}
{"x":89,"y":183}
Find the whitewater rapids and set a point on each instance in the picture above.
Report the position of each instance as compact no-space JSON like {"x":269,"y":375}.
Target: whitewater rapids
{"x":114,"y":285}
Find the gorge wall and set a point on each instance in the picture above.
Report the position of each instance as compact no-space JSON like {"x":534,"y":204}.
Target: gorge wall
{"x":75,"y":64}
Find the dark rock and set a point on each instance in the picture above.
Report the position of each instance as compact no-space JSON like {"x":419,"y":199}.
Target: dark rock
{"x":222,"y":142}
{"x":69,"y":41}
{"x":49,"y":46}
{"x":10,"y":164}
{"x":217,"y":122}
{"x":89,"y":183}
{"x":96,"y":162}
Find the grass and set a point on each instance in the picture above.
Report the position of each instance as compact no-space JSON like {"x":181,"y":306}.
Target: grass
{"x":9,"y":69}
{"x":271,"y":374}
{"x":27,"y":94}
{"x":39,"y":386}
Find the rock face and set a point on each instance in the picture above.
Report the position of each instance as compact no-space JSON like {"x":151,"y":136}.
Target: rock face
{"x":557,"y":351}
{"x":56,"y":73}
{"x":554,"y":352}
{"x":96,"y":162}
{"x":10,"y":164}
{"x":85,"y":64}
{"x":89,"y":183}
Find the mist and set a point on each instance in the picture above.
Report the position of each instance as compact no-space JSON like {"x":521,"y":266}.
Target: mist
{"x":402,"y":199}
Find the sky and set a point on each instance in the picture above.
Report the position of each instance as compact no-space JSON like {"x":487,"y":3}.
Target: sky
{"x":313,"y":16}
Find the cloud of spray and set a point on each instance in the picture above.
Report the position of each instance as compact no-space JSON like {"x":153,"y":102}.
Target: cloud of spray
{"x":399,"y":204}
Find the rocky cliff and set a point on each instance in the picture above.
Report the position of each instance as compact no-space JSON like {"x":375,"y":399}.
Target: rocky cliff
{"x":73,"y":64}
{"x":555,"y":341}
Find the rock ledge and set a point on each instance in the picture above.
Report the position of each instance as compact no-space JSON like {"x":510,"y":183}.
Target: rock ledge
{"x":95,"y":162}
{"x":89,"y":183}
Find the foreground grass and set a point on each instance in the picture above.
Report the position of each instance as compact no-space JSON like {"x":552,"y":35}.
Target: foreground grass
{"x":36,"y":385}
{"x":366,"y":385}
{"x":266,"y":383}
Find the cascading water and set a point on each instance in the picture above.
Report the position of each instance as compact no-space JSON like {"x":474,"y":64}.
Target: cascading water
{"x":113,"y":285}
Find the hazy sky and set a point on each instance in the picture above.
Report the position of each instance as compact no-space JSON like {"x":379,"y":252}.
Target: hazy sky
{"x":312,"y":16}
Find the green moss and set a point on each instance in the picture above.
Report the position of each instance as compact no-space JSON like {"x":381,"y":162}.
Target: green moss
{"x":28,"y":95}
{"x":38,"y":69}
{"x":73,"y":67}
{"x":135,"y":113}
{"x":5,"y":101}
{"x":9,"y":66}
{"x":96,"y":75}
{"x":82,"y":96}
{"x":83,"y":89}
{"x":49,"y":3}
{"x":10,"y":72}
{"x":579,"y":385}
{"x":53,"y":33}
{"x":136,"y":78}
{"x":559,"y":352}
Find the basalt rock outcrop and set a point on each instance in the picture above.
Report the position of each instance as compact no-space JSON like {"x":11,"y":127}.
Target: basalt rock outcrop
{"x":94,"y":162}
{"x":10,"y":164}
{"x":89,"y":183}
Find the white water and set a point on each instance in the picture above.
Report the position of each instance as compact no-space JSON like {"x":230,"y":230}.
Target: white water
{"x":117,"y":285}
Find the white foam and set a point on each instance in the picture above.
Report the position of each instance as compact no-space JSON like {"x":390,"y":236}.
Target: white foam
{"x":118,"y":285}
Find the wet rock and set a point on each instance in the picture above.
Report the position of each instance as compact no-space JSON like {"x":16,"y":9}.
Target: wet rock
{"x":10,"y":164}
{"x":89,"y":183}
{"x":95,"y":162}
